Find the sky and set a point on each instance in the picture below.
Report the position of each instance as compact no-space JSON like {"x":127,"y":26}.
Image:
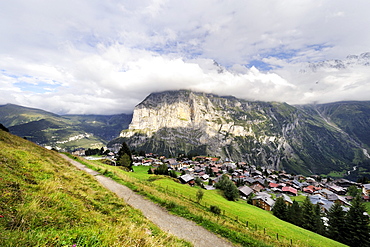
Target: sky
{"x":105,"y":57}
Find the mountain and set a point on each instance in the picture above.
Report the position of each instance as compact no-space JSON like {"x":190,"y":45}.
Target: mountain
{"x":62,"y":132}
{"x":319,"y":139}
{"x":350,"y":61}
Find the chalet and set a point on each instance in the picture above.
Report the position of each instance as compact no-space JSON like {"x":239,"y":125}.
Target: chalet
{"x":308,"y":190}
{"x":79,"y":152}
{"x":324,"y":203}
{"x":289,"y":190}
{"x":273,"y":185}
{"x":186,"y":179}
{"x":366,"y":189}
{"x":337,"y":189}
{"x":245,"y":191}
{"x":344,"y":183}
{"x":286,"y":198}
{"x":324,"y":192}
{"x":310,"y":180}
{"x":340,"y":199}
{"x":257,"y":187}
{"x":264,"y":201}
{"x":249,"y":180}
{"x":254,"y":172}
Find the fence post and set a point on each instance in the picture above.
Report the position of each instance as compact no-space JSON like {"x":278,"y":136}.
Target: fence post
{"x":277,"y":236}
{"x":246,"y":223}
{"x":264,"y":230}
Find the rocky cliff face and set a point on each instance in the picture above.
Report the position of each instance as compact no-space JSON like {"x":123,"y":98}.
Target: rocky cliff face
{"x":271,"y":134}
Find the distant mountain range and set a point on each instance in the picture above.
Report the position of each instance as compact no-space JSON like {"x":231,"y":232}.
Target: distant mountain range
{"x":65,"y":132}
{"x":350,"y":61}
{"x":329,"y":138}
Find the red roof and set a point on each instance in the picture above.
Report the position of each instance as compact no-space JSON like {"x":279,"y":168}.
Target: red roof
{"x":273,"y":185}
{"x":308,"y":190}
{"x":289,"y":189}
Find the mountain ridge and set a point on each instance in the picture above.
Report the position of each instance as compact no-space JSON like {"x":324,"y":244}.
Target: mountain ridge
{"x":272,"y":134}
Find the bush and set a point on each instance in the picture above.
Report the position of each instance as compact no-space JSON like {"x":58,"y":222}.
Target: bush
{"x":215,"y":209}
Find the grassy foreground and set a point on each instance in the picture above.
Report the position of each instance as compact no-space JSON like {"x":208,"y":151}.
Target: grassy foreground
{"x":239,"y":222}
{"x":45,"y":201}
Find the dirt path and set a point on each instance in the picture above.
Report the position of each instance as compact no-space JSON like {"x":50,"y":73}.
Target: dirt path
{"x":175,"y":225}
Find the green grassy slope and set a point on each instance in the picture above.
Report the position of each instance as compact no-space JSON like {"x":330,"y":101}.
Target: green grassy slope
{"x":45,"y":201}
{"x":263,"y":229}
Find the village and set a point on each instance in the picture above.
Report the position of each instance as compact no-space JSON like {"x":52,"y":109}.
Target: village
{"x":258,"y":184}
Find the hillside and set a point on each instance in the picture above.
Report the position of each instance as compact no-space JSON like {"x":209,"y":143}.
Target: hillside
{"x":62,"y":132}
{"x":295,"y":138}
{"x":45,"y":201}
{"x":239,"y":222}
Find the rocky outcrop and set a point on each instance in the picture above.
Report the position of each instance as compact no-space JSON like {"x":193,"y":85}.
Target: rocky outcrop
{"x":271,"y":134}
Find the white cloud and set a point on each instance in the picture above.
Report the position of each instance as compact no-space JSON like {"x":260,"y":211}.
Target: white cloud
{"x":105,"y":57}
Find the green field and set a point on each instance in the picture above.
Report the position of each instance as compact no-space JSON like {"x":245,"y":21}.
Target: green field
{"x":45,"y":201}
{"x":263,"y":229}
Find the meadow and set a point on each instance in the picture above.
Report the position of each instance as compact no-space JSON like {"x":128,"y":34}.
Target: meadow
{"x":240,"y":222}
{"x":45,"y":201}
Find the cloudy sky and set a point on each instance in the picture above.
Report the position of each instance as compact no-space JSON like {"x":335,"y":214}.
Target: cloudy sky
{"x":104,"y":57}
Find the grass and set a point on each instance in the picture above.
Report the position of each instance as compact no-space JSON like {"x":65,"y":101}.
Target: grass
{"x":263,"y":228}
{"x":45,"y":201}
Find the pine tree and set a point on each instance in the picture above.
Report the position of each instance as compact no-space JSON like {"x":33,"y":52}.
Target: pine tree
{"x":319,"y":226}
{"x":357,"y":225}
{"x":280,"y":209}
{"x":124,"y":157}
{"x":295,"y":214}
{"x":336,"y":222}
{"x":308,"y":219}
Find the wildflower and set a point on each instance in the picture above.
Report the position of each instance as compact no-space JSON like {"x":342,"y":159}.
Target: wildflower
{"x":1,"y":216}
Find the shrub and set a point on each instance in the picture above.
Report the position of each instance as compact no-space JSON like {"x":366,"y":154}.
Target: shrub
{"x":215,"y":209}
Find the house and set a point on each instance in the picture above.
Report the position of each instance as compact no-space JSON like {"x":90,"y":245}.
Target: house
{"x":186,"y":179}
{"x":245,"y":191}
{"x":366,"y":189}
{"x":289,"y":190}
{"x":257,"y":187}
{"x":337,"y":189}
{"x":249,"y":180}
{"x":324,"y":192}
{"x":79,"y":152}
{"x":324,"y":203}
{"x":286,"y":198}
{"x":264,"y":201}
{"x":344,"y":182}
{"x":340,"y":199}
{"x":273,"y":185}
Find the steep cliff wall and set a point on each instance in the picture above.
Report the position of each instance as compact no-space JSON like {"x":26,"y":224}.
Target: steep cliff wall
{"x":271,"y":134}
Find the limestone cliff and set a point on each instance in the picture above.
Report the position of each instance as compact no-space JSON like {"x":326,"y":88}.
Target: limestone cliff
{"x":270,"y":134}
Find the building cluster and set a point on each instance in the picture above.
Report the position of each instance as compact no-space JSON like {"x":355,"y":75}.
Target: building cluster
{"x":259,"y":184}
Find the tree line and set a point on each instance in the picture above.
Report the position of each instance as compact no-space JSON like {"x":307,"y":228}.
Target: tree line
{"x":348,"y":227}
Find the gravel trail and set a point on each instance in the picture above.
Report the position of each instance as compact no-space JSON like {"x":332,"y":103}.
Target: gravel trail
{"x":180,"y":227}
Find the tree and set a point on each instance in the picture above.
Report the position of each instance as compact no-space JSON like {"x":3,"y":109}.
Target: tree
{"x":280,"y":209}
{"x":357,"y":224}
{"x":319,"y":226}
{"x":200,"y":194}
{"x":124,"y":157}
{"x":336,"y":222}
{"x":308,"y":219}
{"x":230,"y":190}
{"x":353,"y":191}
{"x":295,"y":214}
